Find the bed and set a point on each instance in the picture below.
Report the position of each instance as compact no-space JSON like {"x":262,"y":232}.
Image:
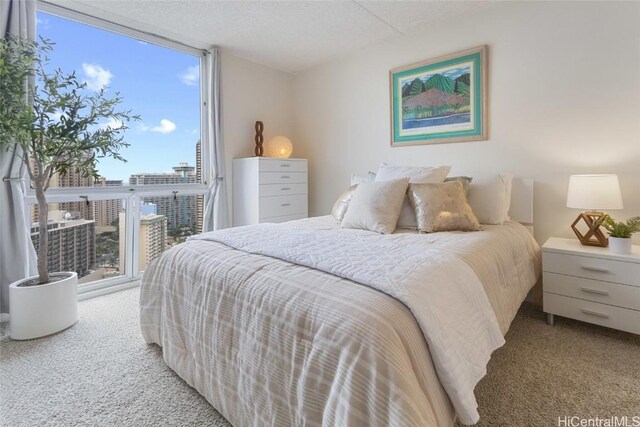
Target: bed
{"x":305,"y":323}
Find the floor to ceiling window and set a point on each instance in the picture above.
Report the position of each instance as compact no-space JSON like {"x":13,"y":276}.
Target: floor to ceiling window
{"x":109,"y":229}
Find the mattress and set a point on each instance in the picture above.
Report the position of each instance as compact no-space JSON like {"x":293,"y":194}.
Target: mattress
{"x":271,"y":342}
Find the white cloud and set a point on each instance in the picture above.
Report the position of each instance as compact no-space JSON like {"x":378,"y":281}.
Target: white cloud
{"x":56,"y":116}
{"x":96,"y":77}
{"x":112,"y":123}
{"x":191,"y":76}
{"x":166,"y":126}
{"x":43,"y":24}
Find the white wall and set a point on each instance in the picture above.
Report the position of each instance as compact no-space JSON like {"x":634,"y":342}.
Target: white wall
{"x":564,"y":94}
{"x":251,"y":92}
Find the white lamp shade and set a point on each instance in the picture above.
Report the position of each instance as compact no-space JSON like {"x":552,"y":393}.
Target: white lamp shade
{"x":278,"y":146}
{"x":595,"y":192}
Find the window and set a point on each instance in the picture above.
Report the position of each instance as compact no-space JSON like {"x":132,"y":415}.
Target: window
{"x":109,"y":229}
{"x":160,"y":84}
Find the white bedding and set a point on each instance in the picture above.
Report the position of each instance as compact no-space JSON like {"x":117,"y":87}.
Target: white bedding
{"x":218,"y":294}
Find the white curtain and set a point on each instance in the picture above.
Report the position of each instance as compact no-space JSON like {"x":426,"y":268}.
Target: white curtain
{"x":216,"y":214}
{"x":17,"y":256}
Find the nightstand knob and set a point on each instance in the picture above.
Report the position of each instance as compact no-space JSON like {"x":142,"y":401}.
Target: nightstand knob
{"x":595,"y":313}
{"x":598,"y":269}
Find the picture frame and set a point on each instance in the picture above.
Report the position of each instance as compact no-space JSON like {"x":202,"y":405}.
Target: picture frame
{"x":440,"y":100}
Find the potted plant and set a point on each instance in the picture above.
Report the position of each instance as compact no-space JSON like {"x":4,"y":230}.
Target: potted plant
{"x":56,"y":125}
{"x":620,"y":233}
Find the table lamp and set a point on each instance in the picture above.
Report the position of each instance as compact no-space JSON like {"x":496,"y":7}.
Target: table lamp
{"x":278,"y":146}
{"x":595,"y":193}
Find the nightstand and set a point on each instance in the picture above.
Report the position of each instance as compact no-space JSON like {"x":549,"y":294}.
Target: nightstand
{"x":591,"y":284}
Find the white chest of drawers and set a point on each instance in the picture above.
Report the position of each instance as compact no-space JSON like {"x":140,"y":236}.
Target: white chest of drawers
{"x":591,"y":284}
{"x":269,"y":190}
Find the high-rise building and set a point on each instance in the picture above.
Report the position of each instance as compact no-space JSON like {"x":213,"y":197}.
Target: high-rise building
{"x":153,"y":237}
{"x":72,"y":244}
{"x":106,"y":211}
{"x":200,"y":198}
{"x":180,"y":211}
{"x":83,"y":209}
{"x":73,"y":178}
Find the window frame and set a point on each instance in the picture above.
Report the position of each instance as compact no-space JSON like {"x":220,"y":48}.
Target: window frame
{"x":132,"y":194}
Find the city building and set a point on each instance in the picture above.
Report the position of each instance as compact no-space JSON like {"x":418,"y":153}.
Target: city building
{"x":72,"y":243}
{"x":82,"y":208}
{"x":107,"y":211}
{"x":151,"y":242}
{"x":180,"y":211}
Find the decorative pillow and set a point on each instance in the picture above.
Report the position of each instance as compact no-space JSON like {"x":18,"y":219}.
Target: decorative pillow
{"x":359,"y":179}
{"x":442,"y":207}
{"x":342,"y":204}
{"x":464,"y":180}
{"x":376,"y":206}
{"x":490,"y":197}
{"x":416,"y":175}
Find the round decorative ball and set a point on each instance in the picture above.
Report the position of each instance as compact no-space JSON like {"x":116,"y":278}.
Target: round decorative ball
{"x":278,"y":146}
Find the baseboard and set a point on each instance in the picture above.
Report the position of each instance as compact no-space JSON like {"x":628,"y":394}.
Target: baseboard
{"x":109,"y":290}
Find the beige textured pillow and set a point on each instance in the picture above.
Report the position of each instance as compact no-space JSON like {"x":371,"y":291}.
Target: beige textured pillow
{"x":442,"y":207}
{"x":464,"y":180}
{"x":386,"y":172}
{"x":342,"y":204}
{"x":376,"y":206}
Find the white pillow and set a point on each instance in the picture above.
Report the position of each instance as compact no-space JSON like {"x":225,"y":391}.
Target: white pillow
{"x":359,"y":179}
{"x":490,"y":197}
{"x":376,"y":206}
{"x":416,"y":175}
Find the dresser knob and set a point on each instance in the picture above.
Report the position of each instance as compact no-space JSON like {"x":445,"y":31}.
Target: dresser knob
{"x":594,"y":291}
{"x":598,"y":269}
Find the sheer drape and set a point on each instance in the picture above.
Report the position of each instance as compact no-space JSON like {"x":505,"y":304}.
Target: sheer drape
{"x":216,"y":215}
{"x":17,"y":255}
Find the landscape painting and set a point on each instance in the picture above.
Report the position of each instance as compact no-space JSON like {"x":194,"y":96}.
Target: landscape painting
{"x":440,"y":100}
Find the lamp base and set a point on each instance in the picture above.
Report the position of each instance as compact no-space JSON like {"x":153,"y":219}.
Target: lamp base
{"x":595,"y":236}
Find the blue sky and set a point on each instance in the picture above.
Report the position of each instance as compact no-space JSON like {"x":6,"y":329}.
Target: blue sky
{"x":160,"y":84}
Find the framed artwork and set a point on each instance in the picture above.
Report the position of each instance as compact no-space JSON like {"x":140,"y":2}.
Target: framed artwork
{"x":440,"y":100}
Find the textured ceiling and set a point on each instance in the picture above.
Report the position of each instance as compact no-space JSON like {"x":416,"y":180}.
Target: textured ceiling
{"x":286,"y":35}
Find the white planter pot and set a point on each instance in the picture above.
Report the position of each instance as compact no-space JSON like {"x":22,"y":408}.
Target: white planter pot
{"x":620,"y":245}
{"x":39,"y":310}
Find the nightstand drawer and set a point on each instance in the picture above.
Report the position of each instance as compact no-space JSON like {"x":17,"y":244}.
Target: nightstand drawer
{"x":282,"y":205}
{"x":592,"y":268}
{"x":284,"y":177}
{"x":281,"y":189}
{"x":282,"y":165}
{"x":593,"y":290}
{"x":593,"y":312}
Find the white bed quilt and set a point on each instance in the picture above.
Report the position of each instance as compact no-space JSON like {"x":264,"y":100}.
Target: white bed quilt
{"x":441,"y":290}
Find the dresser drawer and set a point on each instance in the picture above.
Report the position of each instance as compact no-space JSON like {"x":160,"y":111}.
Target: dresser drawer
{"x":593,"y":290}
{"x":592,"y":268}
{"x":282,"y":189}
{"x":285,"y":218}
{"x":282,"y":165}
{"x":282,"y":205}
{"x":283,"y":177}
{"x":593,"y":312}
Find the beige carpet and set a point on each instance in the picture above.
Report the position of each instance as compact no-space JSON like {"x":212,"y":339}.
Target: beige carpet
{"x":101,"y":373}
